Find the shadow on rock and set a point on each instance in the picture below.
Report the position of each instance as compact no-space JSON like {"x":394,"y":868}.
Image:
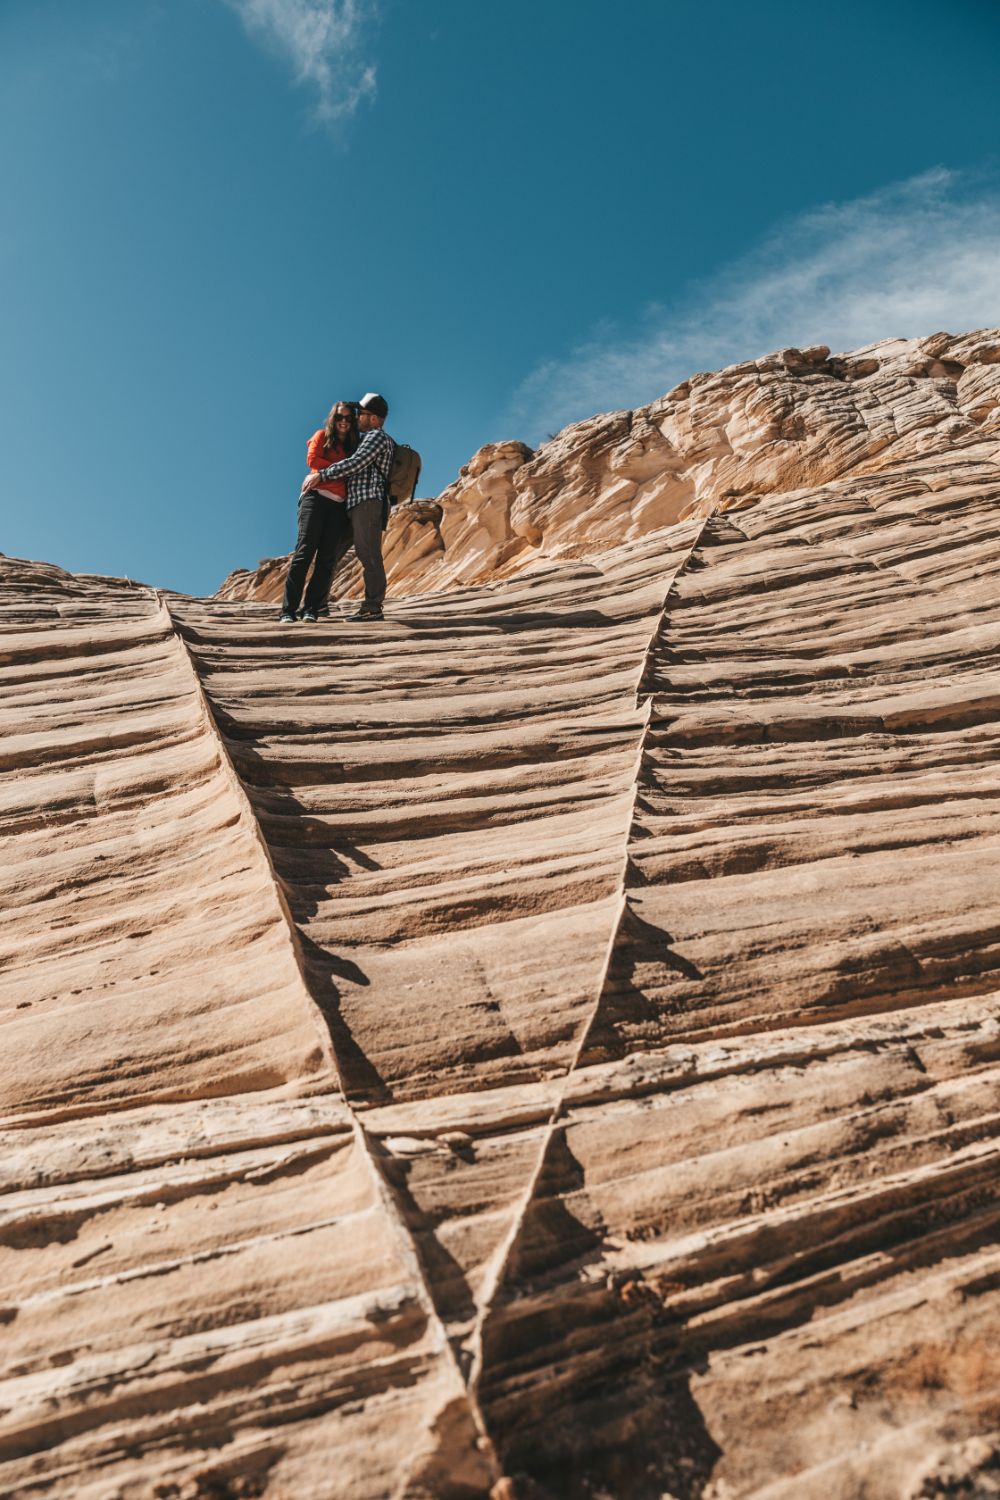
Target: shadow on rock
{"x":627,"y":1016}
{"x":585,"y":1380}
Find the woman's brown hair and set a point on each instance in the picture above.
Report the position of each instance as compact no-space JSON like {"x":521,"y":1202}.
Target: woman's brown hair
{"x":350,"y":438}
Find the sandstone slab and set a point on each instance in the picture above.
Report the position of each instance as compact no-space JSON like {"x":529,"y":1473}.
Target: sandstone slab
{"x":547,"y":1044}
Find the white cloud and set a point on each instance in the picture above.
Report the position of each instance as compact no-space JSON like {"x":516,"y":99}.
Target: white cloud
{"x":324,"y":40}
{"x":912,"y":259}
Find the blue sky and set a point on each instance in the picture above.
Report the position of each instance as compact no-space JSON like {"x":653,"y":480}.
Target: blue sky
{"x":221,"y":215}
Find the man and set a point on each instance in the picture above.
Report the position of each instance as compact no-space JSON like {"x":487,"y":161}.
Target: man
{"x":367,"y":474}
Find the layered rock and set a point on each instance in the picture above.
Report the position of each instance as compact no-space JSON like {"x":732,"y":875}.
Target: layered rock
{"x":195,"y":1237}
{"x":543,"y":1045}
{"x":791,"y":419}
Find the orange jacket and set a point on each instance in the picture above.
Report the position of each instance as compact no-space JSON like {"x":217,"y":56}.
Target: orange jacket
{"x":318,"y":457}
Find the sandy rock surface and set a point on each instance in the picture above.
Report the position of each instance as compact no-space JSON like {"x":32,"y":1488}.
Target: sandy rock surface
{"x":544,"y":1044}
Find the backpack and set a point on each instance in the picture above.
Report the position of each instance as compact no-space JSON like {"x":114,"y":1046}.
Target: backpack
{"x":403,"y":475}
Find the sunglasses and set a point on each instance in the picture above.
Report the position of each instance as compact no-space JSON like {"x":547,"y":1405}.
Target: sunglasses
{"x":343,"y":416}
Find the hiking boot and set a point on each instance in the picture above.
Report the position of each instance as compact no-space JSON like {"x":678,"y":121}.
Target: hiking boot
{"x":286,"y":618}
{"x":309,"y":616}
{"x":366,"y":612}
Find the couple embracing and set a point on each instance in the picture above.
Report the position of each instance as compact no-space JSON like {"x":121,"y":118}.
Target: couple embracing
{"x":343,"y":500}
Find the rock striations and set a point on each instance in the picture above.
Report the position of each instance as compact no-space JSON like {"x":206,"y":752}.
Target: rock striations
{"x":547,"y":1044}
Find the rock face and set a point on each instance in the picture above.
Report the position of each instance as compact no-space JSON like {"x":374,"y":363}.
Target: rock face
{"x":543,"y":1045}
{"x":792,"y":419}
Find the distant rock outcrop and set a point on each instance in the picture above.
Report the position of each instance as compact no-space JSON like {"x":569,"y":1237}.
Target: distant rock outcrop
{"x":795,"y":418}
{"x":546,"y":1045}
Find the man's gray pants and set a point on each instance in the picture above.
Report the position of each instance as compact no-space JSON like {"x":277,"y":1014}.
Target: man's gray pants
{"x":365,"y":521}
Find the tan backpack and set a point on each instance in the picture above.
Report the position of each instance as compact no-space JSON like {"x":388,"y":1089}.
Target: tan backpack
{"x":403,"y":475}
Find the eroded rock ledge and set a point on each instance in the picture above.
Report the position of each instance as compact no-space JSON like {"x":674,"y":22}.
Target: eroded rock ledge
{"x":545,"y":1045}
{"x":792,"y":419}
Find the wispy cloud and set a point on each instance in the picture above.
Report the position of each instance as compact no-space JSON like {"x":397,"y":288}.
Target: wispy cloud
{"x":915,"y":258}
{"x":324,"y":40}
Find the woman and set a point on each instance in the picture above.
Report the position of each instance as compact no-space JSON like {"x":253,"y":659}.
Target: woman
{"x":322,"y":516}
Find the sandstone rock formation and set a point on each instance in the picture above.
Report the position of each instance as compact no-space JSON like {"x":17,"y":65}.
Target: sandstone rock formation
{"x":795,"y":418}
{"x":547,"y":1044}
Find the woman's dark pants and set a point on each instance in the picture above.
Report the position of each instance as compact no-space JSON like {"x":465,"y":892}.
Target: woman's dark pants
{"x":323,"y":528}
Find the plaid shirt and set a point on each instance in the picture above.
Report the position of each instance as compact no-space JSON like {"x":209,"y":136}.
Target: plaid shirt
{"x":367,"y":470}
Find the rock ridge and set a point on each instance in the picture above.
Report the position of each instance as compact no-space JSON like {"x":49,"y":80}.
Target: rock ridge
{"x":791,"y":419}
